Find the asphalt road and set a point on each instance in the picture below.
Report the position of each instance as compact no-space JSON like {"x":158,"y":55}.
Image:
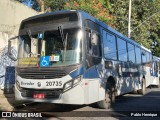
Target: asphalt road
{"x":129,"y":106}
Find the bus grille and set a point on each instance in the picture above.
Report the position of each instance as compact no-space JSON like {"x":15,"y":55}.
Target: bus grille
{"x":48,"y":93}
{"x":42,"y":74}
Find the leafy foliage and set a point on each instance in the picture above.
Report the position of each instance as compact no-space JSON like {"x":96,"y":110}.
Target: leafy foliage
{"x":95,"y":7}
{"x":145,"y":21}
{"x":55,"y":4}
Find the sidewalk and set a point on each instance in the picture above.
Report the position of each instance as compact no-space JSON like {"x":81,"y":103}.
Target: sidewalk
{"x":6,"y":101}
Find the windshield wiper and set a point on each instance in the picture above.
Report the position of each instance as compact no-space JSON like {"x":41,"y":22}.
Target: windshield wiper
{"x":30,"y":36}
{"x":64,"y":40}
{"x":62,"y":34}
{"x":65,"y":46}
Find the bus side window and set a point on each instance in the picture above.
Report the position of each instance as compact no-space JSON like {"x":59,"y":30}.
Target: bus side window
{"x":131,"y":52}
{"x":122,"y":50}
{"x":110,"y":47}
{"x":147,"y":56}
{"x":138,"y":55}
{"x":144,"y":58}
{"x":150,"y":57}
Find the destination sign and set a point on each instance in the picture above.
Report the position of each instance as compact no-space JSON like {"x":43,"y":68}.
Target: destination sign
{"x":28,"y":61}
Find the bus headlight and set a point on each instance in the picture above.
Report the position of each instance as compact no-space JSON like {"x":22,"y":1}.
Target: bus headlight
{"x":70,"y":84}
{"x":76,"y":81}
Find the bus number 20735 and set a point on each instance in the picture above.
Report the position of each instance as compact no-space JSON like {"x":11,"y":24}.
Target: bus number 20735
{"x":54,"y":83}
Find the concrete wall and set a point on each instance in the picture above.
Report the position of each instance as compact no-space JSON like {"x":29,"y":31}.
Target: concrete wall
{"x":11,"y":15}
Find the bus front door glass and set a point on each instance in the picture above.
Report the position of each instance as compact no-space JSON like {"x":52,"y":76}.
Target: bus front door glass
{"x":93,"y":47}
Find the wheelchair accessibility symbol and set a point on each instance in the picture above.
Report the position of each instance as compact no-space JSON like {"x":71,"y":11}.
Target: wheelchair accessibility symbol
{"x":45,"y":61}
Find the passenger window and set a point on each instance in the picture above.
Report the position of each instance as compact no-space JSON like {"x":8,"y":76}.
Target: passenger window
{"x":109,"y":46}
{"x":147,"y":55}
{"x":122,"y":51}
{"x":138,"y":55}
{"x":131,"y":53}
{"x":150,"y":57}
{"x":144,"y":58}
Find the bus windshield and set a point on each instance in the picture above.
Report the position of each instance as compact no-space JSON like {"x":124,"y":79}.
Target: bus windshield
{"x":48,"y":49}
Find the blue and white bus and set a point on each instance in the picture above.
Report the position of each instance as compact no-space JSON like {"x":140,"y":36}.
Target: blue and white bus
{"x":70,"y":57}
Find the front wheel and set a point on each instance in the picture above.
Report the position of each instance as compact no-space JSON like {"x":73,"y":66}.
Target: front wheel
{"x":109,"y":97}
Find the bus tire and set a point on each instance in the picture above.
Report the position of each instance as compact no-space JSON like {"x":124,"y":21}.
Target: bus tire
{"x":143,"y":90}
{"x":109,"y":97}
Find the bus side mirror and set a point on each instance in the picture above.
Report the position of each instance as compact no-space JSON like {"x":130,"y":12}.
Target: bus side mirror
{"x":9,"y":53}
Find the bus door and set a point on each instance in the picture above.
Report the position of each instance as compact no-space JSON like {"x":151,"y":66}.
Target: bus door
{"x":154,"y":71}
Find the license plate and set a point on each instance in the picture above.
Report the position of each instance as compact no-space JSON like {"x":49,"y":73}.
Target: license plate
{"x":39,"y":96}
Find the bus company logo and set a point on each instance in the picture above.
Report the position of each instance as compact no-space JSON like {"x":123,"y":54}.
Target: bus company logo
{"x":39,"y":84}
{"x":27,"y":83}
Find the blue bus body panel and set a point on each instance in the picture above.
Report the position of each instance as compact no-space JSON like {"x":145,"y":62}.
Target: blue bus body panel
{"x":77,"y":72}
{"x":91,"y":73}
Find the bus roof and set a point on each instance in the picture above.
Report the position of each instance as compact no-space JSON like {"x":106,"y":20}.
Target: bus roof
{"x":49,"y":14}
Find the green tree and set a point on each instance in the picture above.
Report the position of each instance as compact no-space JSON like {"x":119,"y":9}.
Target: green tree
{"x":55,"y":4}
{"x":144,"y":20}
{"x":156,"y":43}
{"x":96,"y":8}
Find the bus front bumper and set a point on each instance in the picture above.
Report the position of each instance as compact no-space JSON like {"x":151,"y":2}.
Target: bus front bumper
{"x":74,"y":95}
